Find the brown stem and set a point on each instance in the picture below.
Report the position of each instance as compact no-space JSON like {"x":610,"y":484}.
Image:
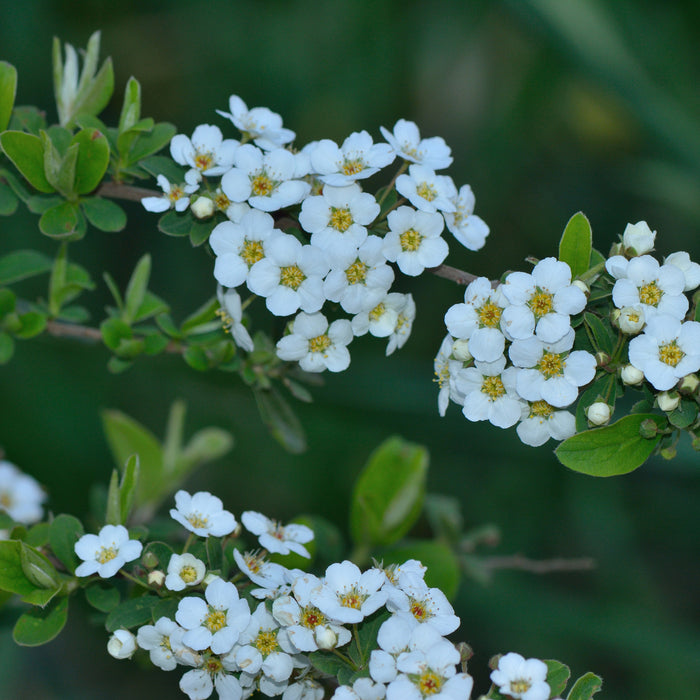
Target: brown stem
{"x":534,"y":566}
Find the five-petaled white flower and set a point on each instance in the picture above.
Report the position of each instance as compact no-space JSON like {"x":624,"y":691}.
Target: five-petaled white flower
{"x":184,"y":570}
{"x":155,"y":639}
{"x":469,"y":229}
{"x":174,"y":196}
{"x":277,"y":538}
{"x":261,"y":123}
{"x":20,"y":495}
{"x":407,"y":144}
{"x":544,"y":421}
{"x":106,"y":552}
{"x":206,"y":153}
{"x":521,"y":679}
{"x":203,"y":514}
{"x":427,"y":191}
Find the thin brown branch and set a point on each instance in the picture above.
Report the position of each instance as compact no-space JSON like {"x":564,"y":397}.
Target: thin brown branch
{"x":535,"y":566}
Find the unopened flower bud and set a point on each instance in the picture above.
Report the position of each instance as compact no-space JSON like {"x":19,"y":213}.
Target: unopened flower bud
{"x":598,"y":413}
{"x":209,"y":578}
{"x":668,"y":402}
{"x":648,"y":429}
{"x":582,"y":286}
{"x":149,"y":559}
{"x":122,"y":644}
{"x":156,"y":578}
{"x":638,"y":238}
{"x":631,"y":320}
{"x":460,"y":350}
{"x":668,"y":452}
{"x":602,"y":358}
{"x":631,"y":376}
{"x":203,"y":207}
{"x":325,"y":637}
{"x":689,"y":384}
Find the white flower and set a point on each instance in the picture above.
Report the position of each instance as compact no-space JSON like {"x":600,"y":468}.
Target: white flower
{"x":316,"y":345}
{"x":631,"y":319}
{"x":544,"y":421}
{"x":407,"y":144}
{"x":541,"y":302}
{"x":199,"y":683}
{"x":348,"y":594}
{"x":202,"y":514}
{"x":290,"y":276}
{"x":122,"y":644}
{"x":549,"y":371}
{"x":238,"y":246}
{"x":184,"y":570}
{"x":478,"y":320}
{"x":176,"y":196}
{"x":404,"y":324}
{"x":598,"y":413}
{"x":427,"y":191}
{"x":521,"y":679}
{"x":155,"y":639}
{"x":206,"y":153}
{"x":20,"y":495}
{"x":420,"y":605}
{"x":106,"y":552}
{"x":262,"y":124}
{"x":469,"y":229}
{"x":276,"y":538}
{"x":413,"y":241}
{"x":267,"y":181}
{"x":667,"y":351}
{"x":356,"y":159}
{"x":446,"y":372}
{"x":690,"y":269}
{"x":381,"y":320}
{"x":638,"y":238}
{"x":359,"y":277}
{"x":338,"y":216}
{"x":231,"y":315}
{"x":217,"y":623}
{"x":489,"y":393}
{"x":657,"y":288}
{"x":362,"y":689}
{"x":258,"y":569}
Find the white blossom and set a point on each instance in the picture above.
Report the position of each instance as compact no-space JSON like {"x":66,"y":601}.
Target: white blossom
{"x":231,"y":315}
{"x":203,"y":514}
{"x":275,"y":537}
{"x":184,"y":570}
{"x":407,"y":144}
{"x":690,"y":269}
{"x":155,"y":639}
{"x":469,"y":229}
{"x":261,"y":123}
{"x":521,"y":679}
{"x":174,"y":196}
{"x":638,"y":238}
{"x":122,"y":644}
{"x":206,"y":153}
{"x":105,"y":553}
{"x":21,"y":495}
{"x":427,"y":191}
{"x":543,"y":421}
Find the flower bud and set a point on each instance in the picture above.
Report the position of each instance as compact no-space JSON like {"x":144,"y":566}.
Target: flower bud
{"x":602,"y":358}
{"x":460,"y":350}
{"x":209,"y":578}
{"x":638,"y":238}
{"x":648,"y":429}
{"x":598,"y":413}
{"x":631,"y":320}
{"x":668,"y":452}
{"x":203,"y":207}
{"x":689,"y":384}
{"x":150,"y":559}
{"x":668,"y":402}
{"x":631,"y":376}
{"x":582,"y":286}
{"x":122,"y":644}
{"x":325,"y":637}
{"x":156,"y":578}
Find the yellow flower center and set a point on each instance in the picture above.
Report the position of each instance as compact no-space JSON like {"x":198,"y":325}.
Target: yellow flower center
{"x":262,"y":185}
{"x":312,"y":617}
{"x":320,"y":343}
{"x":291,"y":276}
{"x":352,"y":166}
{"x":251,"y":252}
{"x":5,"y":500}
{"x":427,"y":191}
{"x":443,"y":374}
{"x":410,"y":240}
{"x":489,"y":314}
{"x":520,"y":686}
{"x":357,"y":272}
{"x":213,"y":666}
{"x":541,"y":303}
{"x":493,"y":387}
{"x":106,"y":554}
{"x":551,"y":365}
{"x":352,"y":599}
{"x":429,"y":683}
{"x":188,"y":574}
{"x":671,"y":354}
{"x":197,"y":520}
{"x":222,"y":201}
{"x":215,"y":620}
{"x":254,"y":562}
{"x":650,"y":294}
{"x":176,"y":192}
{"x":204,"y":161}
{"x":419,"y":609}
{"x":340,"y":219}
{"x":541,"y":409}
{"x":266,"y":642}
{"x":377,"y":312}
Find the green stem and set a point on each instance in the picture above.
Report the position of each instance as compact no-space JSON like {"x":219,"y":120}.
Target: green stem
{"x":390,"y":186}
{"x":135,"y":580}
{"x":189,"y":542}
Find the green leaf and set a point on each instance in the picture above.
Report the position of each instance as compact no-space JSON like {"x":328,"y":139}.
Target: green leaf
{"x":64,"y":532}
{"x":39,"y":626}
{"x":685,"y":415}
{"x":102,"y":597}
{"x":113,"y":514}
{"x":40,"y":596}
{"x":443,"y":566}
{"x":7,"y":348}
{"x":8,"y":200}
{"x":131,"y":109}
{"x":38,"y":535}
{"x":151,"y":305}
{"x":558,"y":676}
{"x":104,"y":214}
{"x":93,"y":159}
{"x":200,"y":231}
{"x":389,"y":493}
{"x":152,"y":142}
{"x":23,"y":264}
{"x":136,"y":289}
{"x":27,"y":153}
{"x":576,"y":244}
{"x":585,"y":687}
{"x":166,"y":607}
{"x":614,"y":449}
{"x":8,"y":89}
{"x":603,"y":334}
{"x":12,"y":576}
{"x":132,"y":613}
{"x":114,"y":331}
{"x":33,"y":323}
{"x":173,"y":223}
{"x":280,"y":420}
{"x":62,"y":221}
{"x":29,"y":119}
{"x":37,"y":568}
{"x":127,"y":488}
{"x":160,"y":165}
{"x":59,"y":166}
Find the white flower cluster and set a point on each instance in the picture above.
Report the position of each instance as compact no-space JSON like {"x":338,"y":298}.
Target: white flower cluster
{"x":238,"y":651}
{"x":21,"y":496}
{"x":508,"y":357}
{"x":344,"y":246}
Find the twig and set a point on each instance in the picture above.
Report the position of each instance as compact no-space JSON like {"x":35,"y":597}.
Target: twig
{"x":534,"y":566}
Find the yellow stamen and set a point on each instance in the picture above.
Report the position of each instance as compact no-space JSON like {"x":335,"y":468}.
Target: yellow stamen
{"x":541,"y":409}
{"x":188,"y":574}
{"x":262,"y":185}
{"x":541,"y":303}
{"x":551,"y":365}
{"x":320,"y":343}
{"x":291,"y":276}
{"x":429,"y":683}
{"x":251,"y":252}
{"x":340,"y":219}
{"x":410,"y":240}
{"x":489,"y":314}
{"x":650,"y":294}
{"x":106,"y":554}
{"x":357,"y":272}
{"x":426,"y":191}
{"x":352,"y":166}
{"x":493,"y":387}
{"x":670,"y":353}
{"x":215,"y":620}
{"x":266,"y":642}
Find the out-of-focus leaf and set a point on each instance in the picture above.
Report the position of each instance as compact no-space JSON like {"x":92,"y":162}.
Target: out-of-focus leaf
{"x":576,"y":244}
{"x":23,"y":264}
{"x":132,"y":613}
{"x":280,"y":420}
{"x":64,"y":532}
{"x":104,"y":214}
{"x":93,"y":159}
{"x":41,"y":625}
{"x":27,"y":153}
{"x":8,"y":88}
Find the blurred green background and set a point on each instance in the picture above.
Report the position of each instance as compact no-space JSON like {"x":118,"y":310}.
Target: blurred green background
{"x":550,"y":107}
